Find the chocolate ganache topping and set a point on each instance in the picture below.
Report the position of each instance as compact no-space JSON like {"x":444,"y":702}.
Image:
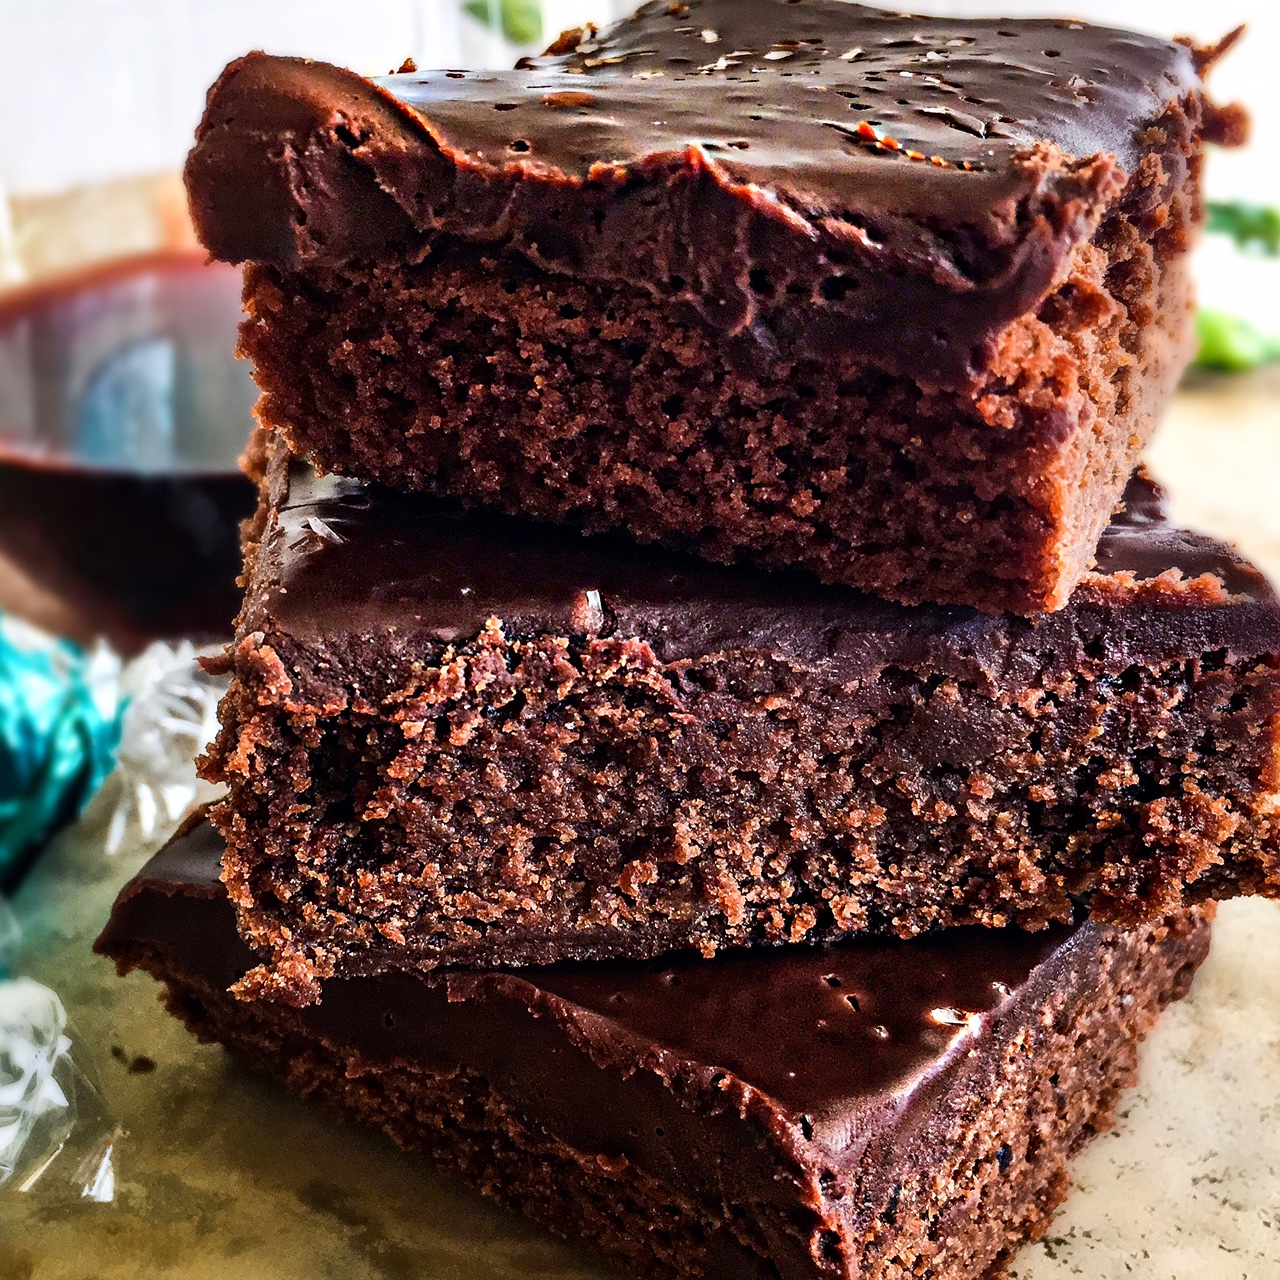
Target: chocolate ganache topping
{"x":341,"y":560}
{"x":807,"y":177}
{"x":833,"y":1038}
{"x":821,"y":105}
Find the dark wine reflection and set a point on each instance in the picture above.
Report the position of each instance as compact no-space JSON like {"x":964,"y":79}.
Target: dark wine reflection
{"x":122,"y":415}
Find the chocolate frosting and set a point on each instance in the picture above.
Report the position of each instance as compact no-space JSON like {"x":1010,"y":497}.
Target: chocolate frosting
{"x":809,"y":177}
{"x":827,"y":1045}
{"x":776,"y":93}
{"x":342,"y":562}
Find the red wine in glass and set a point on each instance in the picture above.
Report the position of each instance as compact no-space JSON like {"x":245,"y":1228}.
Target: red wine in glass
{"x":123,"y":412}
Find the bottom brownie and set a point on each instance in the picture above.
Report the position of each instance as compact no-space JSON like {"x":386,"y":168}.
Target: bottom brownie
{"x":872,"y":1109}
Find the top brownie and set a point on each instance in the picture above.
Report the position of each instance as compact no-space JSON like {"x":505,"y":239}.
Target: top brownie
{"x":736,"y":275}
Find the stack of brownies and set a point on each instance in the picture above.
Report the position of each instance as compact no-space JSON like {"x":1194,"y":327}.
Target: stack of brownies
{"x":724,"y":749}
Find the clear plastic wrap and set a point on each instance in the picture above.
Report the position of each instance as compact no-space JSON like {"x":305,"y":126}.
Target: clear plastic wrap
{"x":58,"y":1137}
{"x":170,"y":713}
{"x":56,"y":1131}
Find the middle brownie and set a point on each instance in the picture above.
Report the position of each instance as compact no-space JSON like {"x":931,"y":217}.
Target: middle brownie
{"x":465,"y":739}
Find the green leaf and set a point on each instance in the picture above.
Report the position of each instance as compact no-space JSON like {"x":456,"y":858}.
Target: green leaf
{"x":1253,"y":227}
{"x":520,"y":21}
{"x":1233,"y":345}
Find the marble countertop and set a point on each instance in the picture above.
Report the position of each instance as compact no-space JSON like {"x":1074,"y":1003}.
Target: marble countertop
{"x":221,"y":1174}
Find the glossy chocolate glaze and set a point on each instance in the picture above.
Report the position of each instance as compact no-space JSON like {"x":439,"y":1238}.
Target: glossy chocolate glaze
{"x":342,"y":562}
{"x":834,"y":1043}
{"x":777,"y":93}
{"x":810,"y":177}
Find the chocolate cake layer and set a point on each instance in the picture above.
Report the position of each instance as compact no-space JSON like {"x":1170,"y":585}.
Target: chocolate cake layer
{"x":898,"y":299}
{"x":465,"y":739}
{"x":871,"y":1110}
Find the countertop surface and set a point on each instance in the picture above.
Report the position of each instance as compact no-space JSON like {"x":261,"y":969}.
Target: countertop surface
{"x":222,"y":1174}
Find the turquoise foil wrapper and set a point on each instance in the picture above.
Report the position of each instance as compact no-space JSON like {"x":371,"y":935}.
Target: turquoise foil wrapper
{"x":59,"y":728}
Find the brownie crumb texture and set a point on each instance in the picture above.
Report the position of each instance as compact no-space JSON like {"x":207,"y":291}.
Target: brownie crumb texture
{"x":525,"y":801}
